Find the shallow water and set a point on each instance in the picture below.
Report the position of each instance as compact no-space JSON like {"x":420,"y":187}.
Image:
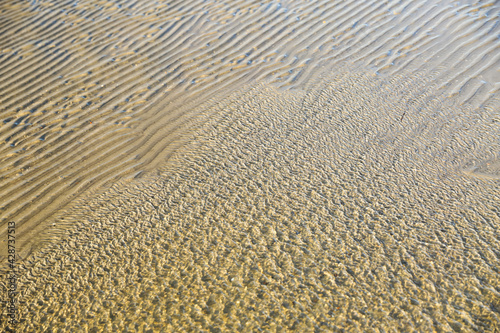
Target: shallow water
{"x":309,"y":167}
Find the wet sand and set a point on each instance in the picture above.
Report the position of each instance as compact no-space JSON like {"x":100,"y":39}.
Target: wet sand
{"x":310,"y":167}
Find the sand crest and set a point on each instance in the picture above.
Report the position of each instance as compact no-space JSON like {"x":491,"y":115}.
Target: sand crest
{"x":242,"y":166}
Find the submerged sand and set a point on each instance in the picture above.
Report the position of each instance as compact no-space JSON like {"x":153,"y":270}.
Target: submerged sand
{"x":292,"y":211}
{"x":347,"y":181}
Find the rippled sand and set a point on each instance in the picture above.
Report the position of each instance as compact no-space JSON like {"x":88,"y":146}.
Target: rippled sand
{"x":203,"y":166}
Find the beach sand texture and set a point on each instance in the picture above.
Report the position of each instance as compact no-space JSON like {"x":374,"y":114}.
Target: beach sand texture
{"x":247,"y":166}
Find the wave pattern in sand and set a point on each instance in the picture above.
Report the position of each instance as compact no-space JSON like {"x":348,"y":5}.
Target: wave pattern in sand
{"x":301,"y":212}
{"x":357,"y":188}
{"x":95,"y":90}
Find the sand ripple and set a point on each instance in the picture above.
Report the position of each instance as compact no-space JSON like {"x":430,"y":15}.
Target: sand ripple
{"x":96,"y":90}
{"x":205,"y":165}
{"x":289,"y":212}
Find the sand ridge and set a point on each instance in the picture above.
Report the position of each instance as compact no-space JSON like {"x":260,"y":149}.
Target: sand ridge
{"x":288,"y":212}
{"x":95,"y":91}
{"x":244,"y":166}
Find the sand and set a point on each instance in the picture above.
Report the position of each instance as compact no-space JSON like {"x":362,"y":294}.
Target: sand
{"x":319,"y":166}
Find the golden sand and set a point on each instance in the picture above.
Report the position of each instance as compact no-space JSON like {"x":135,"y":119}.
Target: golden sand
{"x":206,"y":166}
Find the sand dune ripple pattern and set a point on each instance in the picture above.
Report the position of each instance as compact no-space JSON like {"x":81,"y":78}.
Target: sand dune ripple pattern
{"x":287,"y":205}
{"x":289,"y":212}
{"x":95,"y":90}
